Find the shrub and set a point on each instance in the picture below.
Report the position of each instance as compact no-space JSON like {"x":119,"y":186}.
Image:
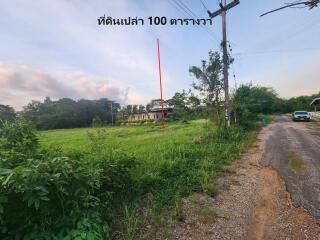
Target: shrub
{"x":97,"y":122}
{"x":47,"y":197}
{"x":18,"y":139}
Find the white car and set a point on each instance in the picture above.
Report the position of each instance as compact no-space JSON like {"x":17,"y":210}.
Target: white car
{"x":301,"y":116}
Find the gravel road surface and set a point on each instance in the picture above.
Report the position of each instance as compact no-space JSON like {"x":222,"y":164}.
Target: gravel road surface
{"x":293,"y":149}
{"x":271,"y":193}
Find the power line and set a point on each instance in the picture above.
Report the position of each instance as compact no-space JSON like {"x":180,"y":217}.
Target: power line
{"x":204,"y":5}
{"x":184,"y":14}
{"x":276,"y":51}
{"x":187,"y":12}
{"x":172,"y":3}
{"x":190,"y":13}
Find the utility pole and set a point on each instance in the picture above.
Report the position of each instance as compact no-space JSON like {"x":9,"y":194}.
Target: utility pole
{"x":111,"y":114}
{"x":223,"y":12}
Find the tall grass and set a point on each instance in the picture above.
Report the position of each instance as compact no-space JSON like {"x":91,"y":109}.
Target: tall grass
{"x":172,"y":162}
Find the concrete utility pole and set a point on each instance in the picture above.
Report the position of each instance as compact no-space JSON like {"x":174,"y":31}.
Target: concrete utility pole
{"x":111,"y":114}
{"x":223,"y":12}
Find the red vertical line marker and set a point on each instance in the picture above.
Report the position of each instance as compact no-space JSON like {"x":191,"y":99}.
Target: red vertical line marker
{"x":159,"y":66}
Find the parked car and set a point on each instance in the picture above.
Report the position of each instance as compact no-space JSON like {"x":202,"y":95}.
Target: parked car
{"x":301,"y":116}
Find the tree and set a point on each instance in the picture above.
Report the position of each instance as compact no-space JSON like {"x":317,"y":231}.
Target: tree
{"x":129,"y":109}
{"x":210,"y":84}
{"x":122,"y":113}
{"x":141,"y":109}
{"x":148,"y":107}
{"x":7,"y":113}
{"x":299,"y":103}
{"x":194,"y":102}
{"x":67,"y":113}
{"x":209,"y":76}
{"x":248,"y":101}
{"x":135,"y":109}
{"x":180,"y":99}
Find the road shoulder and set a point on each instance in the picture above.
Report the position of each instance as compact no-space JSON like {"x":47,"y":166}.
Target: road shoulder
{"x":253,"y":205}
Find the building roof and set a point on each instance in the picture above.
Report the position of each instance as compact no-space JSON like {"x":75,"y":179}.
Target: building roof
{"x":315,"y":101}
{"x":159,"y":108}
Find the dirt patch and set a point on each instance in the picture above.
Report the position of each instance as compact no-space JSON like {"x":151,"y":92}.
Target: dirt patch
{"x":265,"y":207}
{"x":274,"y":216}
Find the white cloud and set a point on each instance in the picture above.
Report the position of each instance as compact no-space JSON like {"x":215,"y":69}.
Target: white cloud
{"x":20,"y":84}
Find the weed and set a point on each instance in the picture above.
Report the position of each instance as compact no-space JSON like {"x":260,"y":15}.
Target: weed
{"x":178,"y":211}
{"x":211,"y":189}
{"x":206,"y":214}
{"x":295,"y":163}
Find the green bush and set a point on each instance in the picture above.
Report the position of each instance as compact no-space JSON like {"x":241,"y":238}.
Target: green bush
{"x":47,"y":197}
{"x":85,"y":194}
{"x":250,"y":101}
{"x":97,"y":122}
{"x":18,"y":140}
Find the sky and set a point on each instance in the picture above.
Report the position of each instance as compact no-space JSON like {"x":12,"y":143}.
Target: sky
{"x":57,"y":49}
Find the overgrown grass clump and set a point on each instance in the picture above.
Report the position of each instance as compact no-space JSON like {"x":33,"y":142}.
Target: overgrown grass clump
{"x":295,"y":163}
{"x":86,"y":183}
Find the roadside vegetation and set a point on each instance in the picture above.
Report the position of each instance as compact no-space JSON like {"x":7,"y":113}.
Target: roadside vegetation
{"x":91,"y":183}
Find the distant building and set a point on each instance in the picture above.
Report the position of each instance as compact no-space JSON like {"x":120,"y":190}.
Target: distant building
{"x":154,"y":114}
{"x":144,"y":116}
{"x":315,"y":102}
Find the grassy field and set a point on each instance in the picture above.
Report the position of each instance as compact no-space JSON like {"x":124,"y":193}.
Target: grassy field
{"x":189,"y":145}
{"x":108,"y":182}
{"x":150,"y":143}
{"x":173,"y":162}
{"x":147,"y":142}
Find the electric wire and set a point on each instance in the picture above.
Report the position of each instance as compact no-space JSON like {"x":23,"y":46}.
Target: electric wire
{"x":193,"y":15}
{"x":276,"y":51}
{"x":189,"y":13}
{"x":204,"y":5}
{"x":184,"y":14}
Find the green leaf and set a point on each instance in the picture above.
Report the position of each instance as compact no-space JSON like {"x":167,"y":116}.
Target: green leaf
{"x":90,"y":236}
{"x":3,"y":199}
{"x":36,"y":204}
{"x":44,"y":198}
{"x":7,"y":179}
{"x":4,"y":171}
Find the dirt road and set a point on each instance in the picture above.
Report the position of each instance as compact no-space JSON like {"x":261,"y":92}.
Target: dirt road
{"x":271,"y":193}
{"x":293,"y":150}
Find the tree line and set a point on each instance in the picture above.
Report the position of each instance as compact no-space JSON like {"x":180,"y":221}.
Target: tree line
{"x":64,"y":113}
{"x":203,"y":100}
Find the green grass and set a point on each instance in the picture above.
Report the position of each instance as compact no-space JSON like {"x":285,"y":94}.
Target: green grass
{"x":147,"y":142}
{"x":173,"y":162}
{"x":160,"y":149}
{"x":151,"y":144}
{"x":295,"y":163}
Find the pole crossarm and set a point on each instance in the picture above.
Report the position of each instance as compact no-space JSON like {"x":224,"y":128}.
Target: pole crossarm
{"x":223,"y":9}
